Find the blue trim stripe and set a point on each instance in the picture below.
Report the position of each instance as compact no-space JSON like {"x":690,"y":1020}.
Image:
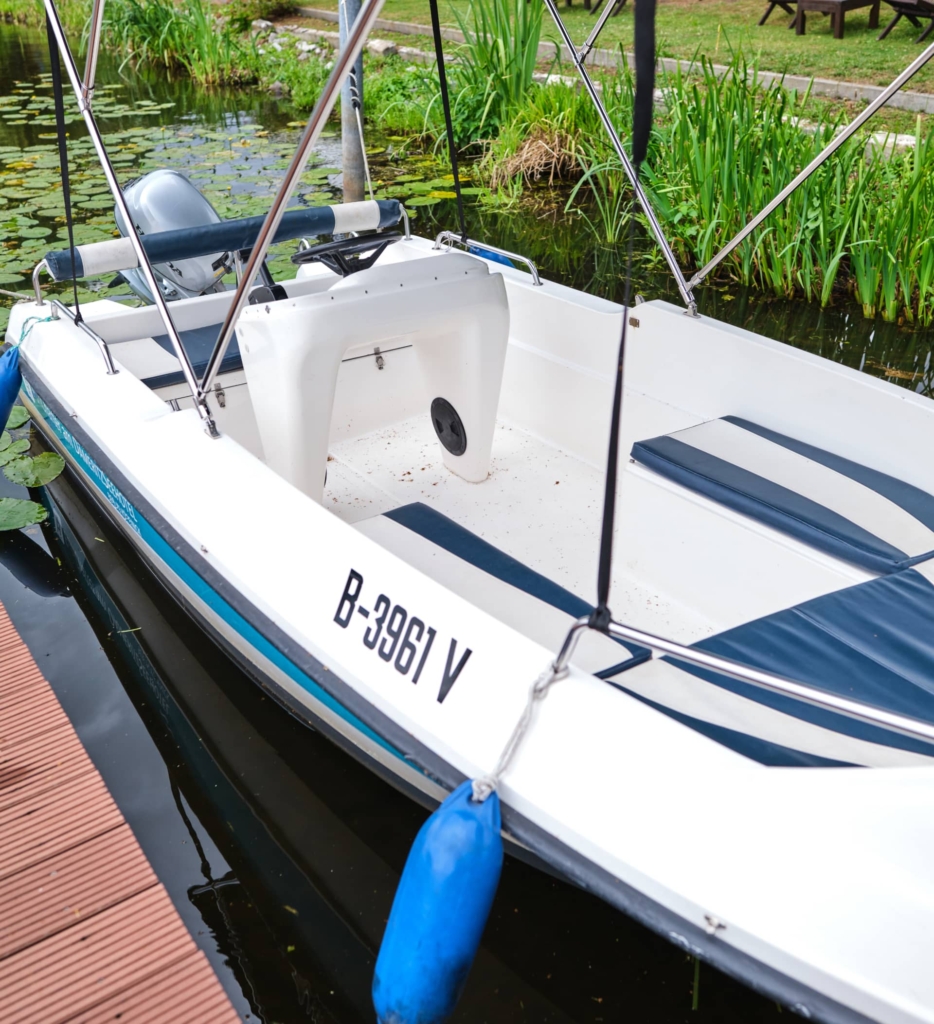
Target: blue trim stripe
{"x":770,"y":503}
{"x":460,"y":542}
{"x":872,"y":642}
{"x":912,"y":499}
{"x":163,"y":550}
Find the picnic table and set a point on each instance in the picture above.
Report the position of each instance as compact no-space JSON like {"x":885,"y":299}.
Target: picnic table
{"x":837,"y":10}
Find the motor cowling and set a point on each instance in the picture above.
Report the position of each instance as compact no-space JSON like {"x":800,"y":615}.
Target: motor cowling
{"x":165,"y":200}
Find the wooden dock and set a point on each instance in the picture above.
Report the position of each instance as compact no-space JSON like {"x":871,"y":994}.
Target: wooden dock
{"x":87,"y":932}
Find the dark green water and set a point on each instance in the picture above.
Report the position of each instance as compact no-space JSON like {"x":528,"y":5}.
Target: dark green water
{"x":280,"y":852}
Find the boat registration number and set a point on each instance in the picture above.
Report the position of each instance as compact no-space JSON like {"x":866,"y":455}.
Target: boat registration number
{"x":405,"y":641}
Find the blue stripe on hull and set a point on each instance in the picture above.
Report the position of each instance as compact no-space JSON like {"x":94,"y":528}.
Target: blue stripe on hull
{"x":192,"y":580}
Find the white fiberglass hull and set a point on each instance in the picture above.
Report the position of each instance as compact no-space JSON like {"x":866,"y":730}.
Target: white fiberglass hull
{"x":815,"y":886}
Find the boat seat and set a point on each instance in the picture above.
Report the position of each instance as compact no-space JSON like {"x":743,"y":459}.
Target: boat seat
{"x":530,"y":603}
{"x":198,"y":343}
{"x":872,"y":642}
{"x":831,"y":503}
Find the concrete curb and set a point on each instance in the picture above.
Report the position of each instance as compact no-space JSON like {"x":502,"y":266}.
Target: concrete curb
{"x":917,"y":101}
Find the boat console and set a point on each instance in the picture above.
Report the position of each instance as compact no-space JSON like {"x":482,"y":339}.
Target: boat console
{"x":452,"y":311}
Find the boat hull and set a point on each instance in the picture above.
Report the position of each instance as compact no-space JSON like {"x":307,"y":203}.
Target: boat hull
{"x":313,"y":692}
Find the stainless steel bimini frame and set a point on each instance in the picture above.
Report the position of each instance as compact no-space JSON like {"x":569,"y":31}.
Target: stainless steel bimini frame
{"x":686,"y":287}
{"x":828,"y":151}
{"x":578,"y":57}
{"x":84,"y":91}
{"x":322,"y":111}
{"x":855,"y":709}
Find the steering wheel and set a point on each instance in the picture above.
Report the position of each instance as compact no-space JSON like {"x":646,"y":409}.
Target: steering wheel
{"x":345,"y":255}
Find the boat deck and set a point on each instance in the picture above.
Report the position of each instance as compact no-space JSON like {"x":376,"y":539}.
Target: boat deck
{"x":539,"y":504}
{"x":87,"y":931}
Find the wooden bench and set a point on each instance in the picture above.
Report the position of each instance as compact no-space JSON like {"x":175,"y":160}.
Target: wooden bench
{"x":913,"y":10}
{"x":837,"y":10}
{"x":786,"y":6}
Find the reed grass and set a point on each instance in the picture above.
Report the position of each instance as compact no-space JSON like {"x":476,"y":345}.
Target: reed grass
{"x":73,"y":13}
{"x":182,"y":36}
{"x":722,"y":147}
{"x":495,"y":64}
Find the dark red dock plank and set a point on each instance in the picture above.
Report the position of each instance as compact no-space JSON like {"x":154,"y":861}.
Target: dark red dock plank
{"x":87,"y":932}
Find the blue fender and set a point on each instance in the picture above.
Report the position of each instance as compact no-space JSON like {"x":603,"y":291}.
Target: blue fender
{"x":439,"y":911}
{"x":10,"y":381}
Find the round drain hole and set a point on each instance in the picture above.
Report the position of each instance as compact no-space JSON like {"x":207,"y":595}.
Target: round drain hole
{"x":448,"y":426}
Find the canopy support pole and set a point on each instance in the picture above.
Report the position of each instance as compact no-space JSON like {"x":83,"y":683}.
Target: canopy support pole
{"x":94,"y":46}
{"x":201,"y":404}
{"x":683,"y":286}
{"x":356,"y":37}
{"x":834,"y":145}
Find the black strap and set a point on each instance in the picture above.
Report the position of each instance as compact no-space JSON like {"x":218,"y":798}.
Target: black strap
{"x":641,"y":129}
{"x":644,"y":45}
{"x":63,"y":156}
{"x":449,"y":124}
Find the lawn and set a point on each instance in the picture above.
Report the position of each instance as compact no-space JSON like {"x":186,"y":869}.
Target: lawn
{"x":715,"y":28}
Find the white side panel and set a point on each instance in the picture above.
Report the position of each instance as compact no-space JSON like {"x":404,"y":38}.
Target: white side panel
{"x":711,"y":369}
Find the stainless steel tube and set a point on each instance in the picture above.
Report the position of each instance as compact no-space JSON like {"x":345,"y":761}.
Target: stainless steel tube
{"x":94,"y":45}
{"x":449,"y":238}
{"x":683,"y":285}
{"x":344,"y":61}
{"x":608,"y":9}
{"x":60,"y":307}
{"x":837,"y":142}
{"x":778,"y":684}
{"x":36,"y":287}
{"x":200,"y":402}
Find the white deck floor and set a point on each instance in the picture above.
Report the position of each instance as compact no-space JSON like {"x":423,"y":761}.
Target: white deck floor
{"x":539,"y":505}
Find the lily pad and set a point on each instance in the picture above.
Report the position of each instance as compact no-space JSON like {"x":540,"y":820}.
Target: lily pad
{"x":19,"y":415}
{"x":35,"y":472}
{"x":5,"y":440}
{"x":15,"y":513}
{"x":13,"y":452}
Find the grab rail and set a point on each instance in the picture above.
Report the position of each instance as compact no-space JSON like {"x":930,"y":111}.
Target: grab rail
{"x":868,"y":713}
{"x":450,"y":238}
{"x":58,"y":307}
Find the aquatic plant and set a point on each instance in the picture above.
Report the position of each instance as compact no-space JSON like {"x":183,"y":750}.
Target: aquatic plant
{"x":73,"y":13}
{"x":182,"y":36}
{"x":494,"y":66}
{"x":722,"y":147}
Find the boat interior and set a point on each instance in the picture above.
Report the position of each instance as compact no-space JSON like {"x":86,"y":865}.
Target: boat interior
{"x":456,"y":410}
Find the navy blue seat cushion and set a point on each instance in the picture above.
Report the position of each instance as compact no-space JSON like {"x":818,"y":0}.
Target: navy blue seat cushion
{"x":792,"y":486}
{"x":439,"y":529}
{"x":199,"y":344}
{"x":873,"y":642}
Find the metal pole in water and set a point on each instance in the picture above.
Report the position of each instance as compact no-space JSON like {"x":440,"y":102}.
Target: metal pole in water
{"x":353,"y":157}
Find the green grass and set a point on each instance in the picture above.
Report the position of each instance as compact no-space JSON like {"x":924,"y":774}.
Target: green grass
{"x":720,"y":151}
{"x":714,"y":28}
{"x":183,"y":35}
{"x":73,"y":13}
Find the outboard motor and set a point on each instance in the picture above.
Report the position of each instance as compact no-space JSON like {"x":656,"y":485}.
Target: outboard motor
{"x":166,"y":200}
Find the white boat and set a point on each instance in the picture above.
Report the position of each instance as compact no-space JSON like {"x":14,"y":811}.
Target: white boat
{"x":383,"y":502}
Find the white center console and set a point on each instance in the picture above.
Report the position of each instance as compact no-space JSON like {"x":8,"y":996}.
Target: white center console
{"x":450,"y":308}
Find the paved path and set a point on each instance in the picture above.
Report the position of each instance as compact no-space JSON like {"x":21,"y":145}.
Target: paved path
{"x":87,"y":932}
